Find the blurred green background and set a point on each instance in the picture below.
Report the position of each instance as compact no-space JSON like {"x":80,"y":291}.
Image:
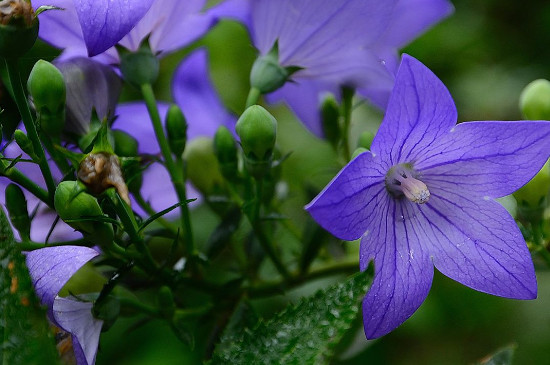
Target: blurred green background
{"x":485,"y":53}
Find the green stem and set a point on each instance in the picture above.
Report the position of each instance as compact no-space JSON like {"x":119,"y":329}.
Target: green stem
{"x":186,"y":217}
{"x":253,"y":96}
{"x":17,"y":177}
{"x":297,"y":280}
{"x":21,"y":101}
{"x":176,"y":174}
{"x":347,"y":106}
{"x":58,"y":158}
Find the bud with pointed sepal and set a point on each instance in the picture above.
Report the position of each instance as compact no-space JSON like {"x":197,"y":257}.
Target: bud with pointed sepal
{"x":139,"y":67}
{"x":176,"y":130}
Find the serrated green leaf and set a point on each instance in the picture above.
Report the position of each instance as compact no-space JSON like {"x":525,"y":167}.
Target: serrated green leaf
{"x":25,"y":333}
{"x":306,"y":333}
{"x":503,"y":356}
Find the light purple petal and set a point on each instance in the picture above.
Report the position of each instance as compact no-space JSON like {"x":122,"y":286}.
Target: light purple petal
{"x":350,"y":203}
{"x":105,"y":22}
{"x":304,"y":98}
{"x":75,"y":317}
{"x":411,"y":18}
{"x":403,"y":271}
{"x":61,"y":28}
{"x":51,"y":267}
{"x":239,"y":10}
{"x":196,"y":96}
{"x":476,"y":242}
{"x":488,"y":158}
{"x":420,"y":111}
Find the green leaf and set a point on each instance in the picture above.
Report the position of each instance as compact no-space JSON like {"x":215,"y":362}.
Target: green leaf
{"x":503,"y":356}
{"x":24,"y":331}
{"x":303,"y":334}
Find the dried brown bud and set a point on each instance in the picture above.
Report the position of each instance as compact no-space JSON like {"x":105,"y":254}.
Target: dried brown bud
{"x":100,"y":171}
{"x":12,"y":11}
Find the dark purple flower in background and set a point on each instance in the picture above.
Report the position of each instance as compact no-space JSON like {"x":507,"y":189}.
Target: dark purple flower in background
{"x":195,"y":94}
{"x":168,"y":24}
{"x":337,"y":43}
{"x":424,"y":196}
{"x":50,"y":269}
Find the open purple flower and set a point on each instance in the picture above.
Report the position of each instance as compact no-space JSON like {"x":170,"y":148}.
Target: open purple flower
{"x":337,"y":43}
{"x":50,"y":269}
{"x":195,"y":94}
{"x":92,"y":28}
{"x":424,"y":196}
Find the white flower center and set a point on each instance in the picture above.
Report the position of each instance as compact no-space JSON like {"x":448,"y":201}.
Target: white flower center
{"x":402,"y":180}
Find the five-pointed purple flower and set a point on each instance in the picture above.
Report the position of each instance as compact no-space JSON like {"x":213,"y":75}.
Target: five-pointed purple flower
{"x":424,"y":196}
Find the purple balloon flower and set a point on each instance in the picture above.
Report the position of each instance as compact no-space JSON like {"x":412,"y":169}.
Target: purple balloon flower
{"x":196,"y":96}
{"x":424,"y":196}
{"x":50,"y":269}
{"x":336,"y":43}
{"x":92,"y":28}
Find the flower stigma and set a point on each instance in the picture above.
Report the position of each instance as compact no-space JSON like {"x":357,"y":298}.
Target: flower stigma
{"x":402,"y":180}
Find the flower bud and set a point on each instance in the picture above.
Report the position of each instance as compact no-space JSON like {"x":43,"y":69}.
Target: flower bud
{"x":202,"y":166}
{"x":47,"y":89}
{"x":365,"y":139}
{"x":534,"y":101}
{"x":72,"y":202}
{"x":24,"y":143}
{"x":18,"y":28}
{"x":166,"y":303}
{"x":139,"y":67}
{"x":225,"y":149}
{"x":257,"y":129}
{"x":267,"y":74}
{"x":176,"y":130}
{"x":330,"y":115}
{"x":17,"y":209}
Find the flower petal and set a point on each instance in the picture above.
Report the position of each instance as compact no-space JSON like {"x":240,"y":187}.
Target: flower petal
{"x":477,"y":243}
{"x":410,"y":18}
{"x":403,"y":271}
{"x":196,"y":96}
{"x":75,"y":317}
{"x":51,"y":267}
{"x":488,"y":158}
{"x":350,"y":203}
{"x":60,"y":27}
{"x":420,"y":111}
{"x":238,"y":10}
{"x":105,"y":22}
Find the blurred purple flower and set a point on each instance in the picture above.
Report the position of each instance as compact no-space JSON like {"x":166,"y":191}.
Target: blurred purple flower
{"x":337,"y":43}
{"x":50,"y":269}
{"x":195,"y":94}
{"x":424,"y":196}
{"x":93,"y":28}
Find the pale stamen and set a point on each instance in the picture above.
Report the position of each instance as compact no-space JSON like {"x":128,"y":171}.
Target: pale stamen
{"x":401,"y":180}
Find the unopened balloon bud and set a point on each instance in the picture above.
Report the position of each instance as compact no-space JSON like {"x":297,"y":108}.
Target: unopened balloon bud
{"x":365,"y":139}
{"x":24,"y":143}
{"x":176,"y":130}
{"x":267,"y":74}
{"x":225,"y":149}
{"x":17,"y":209}
{"x":330,"y":119}
{"x":202,"y":166}
{"x":534,"y":101}
{"x":358,"y":151}
{"x":532,"y":196}
{"x":139,"y":67}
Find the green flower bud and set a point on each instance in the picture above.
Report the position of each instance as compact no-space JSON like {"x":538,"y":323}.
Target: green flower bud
{"x":72,"y":202}
{"x":17,"y":209}
{"x":18,"y":28}
{"x":166,"y":303}
{"x":24,"y":143}
{"x":267,"y":74}
{"x":176,"y":130}
{"x":534,"y":101}
{"x":330,"y":115}
{"x":125,"y":144}
{"x":140,"y":67}
{"x":365,"y":139}
{"x":225,"y":149}
{"x":47,"y":89}
{"x":202,"y":166}
{"x":358,"y":151}
{"x":257,"y":129}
